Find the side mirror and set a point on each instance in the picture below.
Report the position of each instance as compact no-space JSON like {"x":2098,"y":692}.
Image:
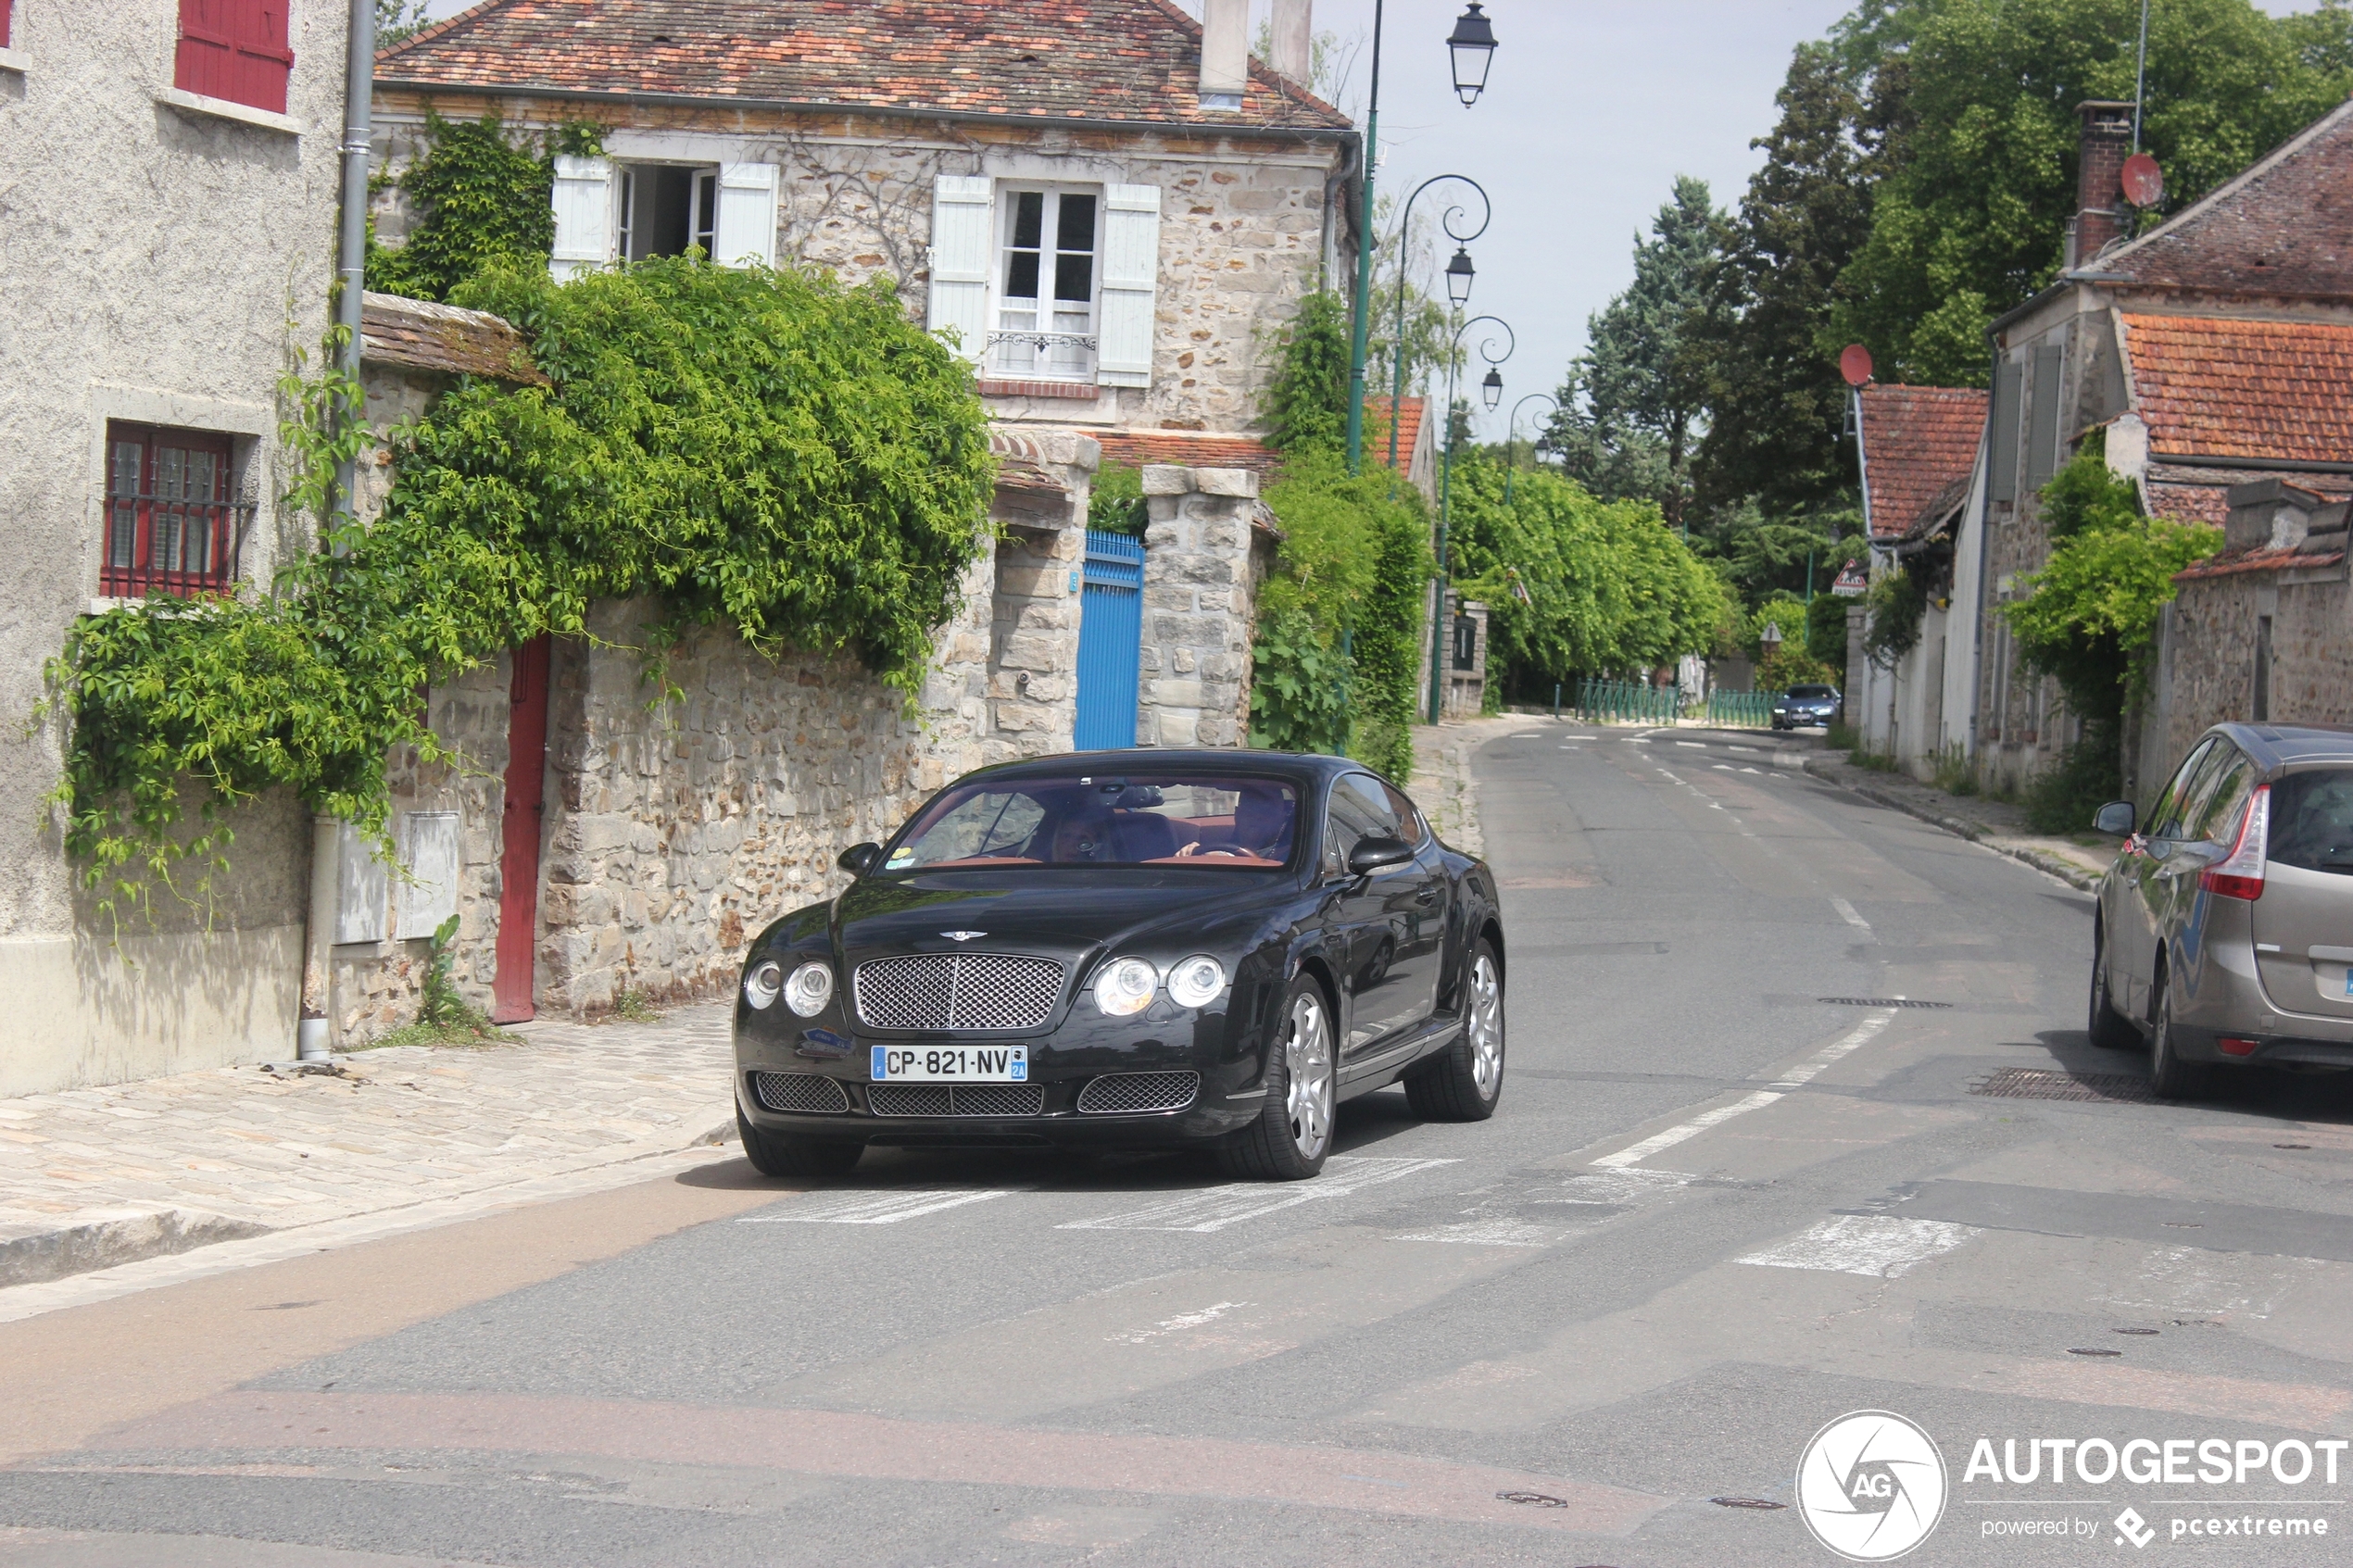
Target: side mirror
{"x":1372,"y":853}
{"x":859,"y":859}
{"x":2115,"y":818}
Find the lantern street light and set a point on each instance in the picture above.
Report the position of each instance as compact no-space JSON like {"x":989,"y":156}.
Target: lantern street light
{"x":1511,"y":438}
{"x":1459,"y":273}
{"x":1472,"y":46}
{"x":1462,"y":261}
{"x":1446,"y":485}
{"x":1473,"y":39}
{"x":1490,"y":390}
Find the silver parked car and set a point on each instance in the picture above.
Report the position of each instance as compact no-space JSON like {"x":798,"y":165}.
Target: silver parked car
{"x":2224,"y":933}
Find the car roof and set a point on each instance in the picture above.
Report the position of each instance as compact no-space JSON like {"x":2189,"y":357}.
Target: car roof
{"x":2284,"y":746}
{"x":1300,"y":766}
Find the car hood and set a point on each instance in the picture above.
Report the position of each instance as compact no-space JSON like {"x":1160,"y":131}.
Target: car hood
{"x":1063,"y":914}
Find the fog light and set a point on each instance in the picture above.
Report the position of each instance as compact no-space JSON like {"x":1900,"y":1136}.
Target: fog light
{"x":2236,"y":1047}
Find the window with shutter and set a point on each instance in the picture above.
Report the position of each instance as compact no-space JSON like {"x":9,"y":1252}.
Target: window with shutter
{"x":1131,"y":276}
{"x":1046,"y":274}
{"x":7,"y":6}
{"x":745,"y":232}
{"x":173,"y":526}
{"x":960,"y":253}
{"x":234,"y":49}
{"x":2042,"y":433}
{"x":2001,"y":435}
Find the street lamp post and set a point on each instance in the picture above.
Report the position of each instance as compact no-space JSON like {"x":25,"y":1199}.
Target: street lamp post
{"x":1471,"y":49}
{"x":1511,"y":437}
{"x":1459,"y":274}
{"x":1493,"y":388}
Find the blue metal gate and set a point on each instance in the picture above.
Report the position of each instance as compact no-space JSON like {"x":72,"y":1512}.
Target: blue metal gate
{"x":1111,"y":628}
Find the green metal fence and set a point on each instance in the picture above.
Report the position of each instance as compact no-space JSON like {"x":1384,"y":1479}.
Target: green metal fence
{"x":1636,"y":702}
{"x":1740,"y":707}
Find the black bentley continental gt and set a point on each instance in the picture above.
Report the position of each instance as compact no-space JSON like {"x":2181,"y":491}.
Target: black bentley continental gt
{"x":1127,"y":950}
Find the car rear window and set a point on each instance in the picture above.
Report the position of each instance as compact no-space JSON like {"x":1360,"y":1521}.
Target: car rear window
{"x":2312,"y":821}
{"x":1223,"y":823}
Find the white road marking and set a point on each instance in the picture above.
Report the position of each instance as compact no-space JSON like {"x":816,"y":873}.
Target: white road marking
{"x":1580,"y":737}
{"x":1692,"y":744}
{"x":874,"y":1207}
{"x":1669,"y":777}
{"x":1880,"y":1246}
{"x":1619,"y":1187}
{"x":1218,"y":1207}
{"x":1176,"y":1325}
{"x":1846,"y":912}
{"x":1748,"y":770}
{"x":1639,"y":740}
{"x":1803,"y":1074}
{"x":1486,"y":1233}
{"x":1750,"y":749}
{"x":1723,"y":767}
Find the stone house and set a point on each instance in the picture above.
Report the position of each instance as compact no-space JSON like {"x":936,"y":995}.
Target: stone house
{"x":2191,"y":351}
{"x":1918,"y":446}
{"x":171,"y":171}
{"x":1111,"y":225}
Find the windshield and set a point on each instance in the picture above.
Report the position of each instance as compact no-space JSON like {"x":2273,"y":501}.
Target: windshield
{"x":1810,"y":693}
{"x":2312,"y":821}
{"x":1086,"y":819}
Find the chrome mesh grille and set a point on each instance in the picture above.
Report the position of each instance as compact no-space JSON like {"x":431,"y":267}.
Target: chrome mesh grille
{"x":798,"y":1091}
{"x":956,"y":1099}
{"x":1140,"y":1091}
{"x":958,"y":991}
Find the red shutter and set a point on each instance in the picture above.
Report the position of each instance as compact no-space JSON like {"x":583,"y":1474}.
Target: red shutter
{"x":6,"y":6}
{"x":235,"y":49}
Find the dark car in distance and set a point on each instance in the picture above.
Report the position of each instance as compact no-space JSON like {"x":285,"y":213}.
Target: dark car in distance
{"x":1801,"y":705}
{"x":1127,"y":950}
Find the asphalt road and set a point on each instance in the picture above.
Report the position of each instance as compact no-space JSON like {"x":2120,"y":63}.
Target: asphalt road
{"x":1732,"y":1197}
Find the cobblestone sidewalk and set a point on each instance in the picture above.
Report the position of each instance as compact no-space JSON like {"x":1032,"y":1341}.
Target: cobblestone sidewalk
{"x":90,"y":1178}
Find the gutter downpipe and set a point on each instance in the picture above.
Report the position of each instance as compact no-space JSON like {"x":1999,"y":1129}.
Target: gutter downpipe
{"x":314,"y":1035}
{"x":1984,"y":538}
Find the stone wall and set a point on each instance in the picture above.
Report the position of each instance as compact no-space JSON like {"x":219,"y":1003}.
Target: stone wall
{"x":1466,"y":689}
{"x":2210,"y":655}
{"x":1203,"y":564}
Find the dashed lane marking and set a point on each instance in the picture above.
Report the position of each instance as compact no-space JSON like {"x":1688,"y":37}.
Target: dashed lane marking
{"x":1222,"y":1206}
{"x":1798,"y":1076}
{"x":874,"y":1207}
{"x":1846,"y":912}
{"x":1880,"y":1246}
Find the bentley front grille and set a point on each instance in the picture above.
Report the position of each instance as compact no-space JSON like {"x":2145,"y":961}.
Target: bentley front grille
{"x":798,"y":1091}
{"x":958,"y":991}
{"x":1140,"y":1091}
{"x":956,"y":1099}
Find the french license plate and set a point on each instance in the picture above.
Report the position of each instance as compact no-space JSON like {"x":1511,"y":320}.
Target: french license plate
{"x":951,"y":1064}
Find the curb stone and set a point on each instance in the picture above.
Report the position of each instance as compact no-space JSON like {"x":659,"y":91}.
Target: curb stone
{"x":1976,"y":833}
{"x":100,"y":1239}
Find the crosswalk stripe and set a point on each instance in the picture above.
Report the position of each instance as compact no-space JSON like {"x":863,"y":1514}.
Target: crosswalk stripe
{"x":1880,"y":1246}
{"x":1222,"y":1206}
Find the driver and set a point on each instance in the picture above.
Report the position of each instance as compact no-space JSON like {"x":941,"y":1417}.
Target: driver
{"x":1262,"y":815}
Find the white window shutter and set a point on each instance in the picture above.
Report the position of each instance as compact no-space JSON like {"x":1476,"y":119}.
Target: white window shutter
{"x":1131,"y":276}
{"x":583,"y":200}
{"x":961,"y":235}
{"x":745,"y":232}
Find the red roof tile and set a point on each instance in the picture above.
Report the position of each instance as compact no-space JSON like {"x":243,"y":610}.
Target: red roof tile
{"x":1060,"y":59}
{"x":2216,"y":388}
{"x":1917,"y":441}
{"x":1186,"y":449}
{"x":1409,"y":430}
{"x":2283,"y":229}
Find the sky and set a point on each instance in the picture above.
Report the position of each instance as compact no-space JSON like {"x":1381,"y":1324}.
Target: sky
{"x":1592,"y":109}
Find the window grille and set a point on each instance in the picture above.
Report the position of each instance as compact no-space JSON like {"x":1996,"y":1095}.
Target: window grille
{"x":1046,"y":301}
{"x":172,"y":525}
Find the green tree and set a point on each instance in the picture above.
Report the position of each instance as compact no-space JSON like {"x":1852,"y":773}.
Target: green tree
{"x":1306,"y":403}
{"x":397,"y":19}
{"x":1970,"y":218}
{"x":1636,"y":384}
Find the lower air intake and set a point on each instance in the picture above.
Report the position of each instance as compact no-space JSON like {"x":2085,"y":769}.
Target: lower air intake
{"x":1140,"y":1091}
{"x":798,"y":1091}
{"x":956,"y":1099}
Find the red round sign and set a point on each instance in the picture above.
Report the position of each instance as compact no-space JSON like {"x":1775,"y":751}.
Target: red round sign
{"x":2144,"y":181}
{"x":1855,"y":364}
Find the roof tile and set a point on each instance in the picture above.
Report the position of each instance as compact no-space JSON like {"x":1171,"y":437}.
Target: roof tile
{"x":2234,"y":388}
{"x":412,"y":332}
{"x":1916,"y":442}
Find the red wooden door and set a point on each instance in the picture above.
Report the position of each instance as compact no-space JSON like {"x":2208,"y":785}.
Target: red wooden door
{"x":513,"y":993}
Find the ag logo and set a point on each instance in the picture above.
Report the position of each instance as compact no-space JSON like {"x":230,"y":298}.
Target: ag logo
{"x":1870,"y":1485}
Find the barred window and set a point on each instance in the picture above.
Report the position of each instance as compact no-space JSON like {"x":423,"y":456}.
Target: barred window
{"x":172,"y":525}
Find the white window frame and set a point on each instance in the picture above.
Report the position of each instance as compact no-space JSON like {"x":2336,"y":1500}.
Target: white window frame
{"x":1061,"y":347}
{"x":702,"y":204}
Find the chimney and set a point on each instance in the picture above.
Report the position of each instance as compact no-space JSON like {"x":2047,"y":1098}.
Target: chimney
{"x":2099,"y":184}
{"x":1294,"y":47}
{"x":1225,"y":53}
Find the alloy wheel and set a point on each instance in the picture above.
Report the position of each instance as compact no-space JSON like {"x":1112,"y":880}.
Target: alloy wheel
{"x":1486,"y":1027}
{"x":1308,"y":1060}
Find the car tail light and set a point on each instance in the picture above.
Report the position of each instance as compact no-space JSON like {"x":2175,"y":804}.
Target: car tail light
{"x":2230,"y":1046}
{"x":2240,"y":875}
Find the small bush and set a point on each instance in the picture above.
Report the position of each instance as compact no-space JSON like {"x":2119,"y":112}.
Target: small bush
{"x":2062,"y":798}
{"x":1955,"y":774}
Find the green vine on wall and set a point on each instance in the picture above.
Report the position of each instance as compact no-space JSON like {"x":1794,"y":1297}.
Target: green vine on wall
{"x":764,"y":451}
{"x":479,"y":195}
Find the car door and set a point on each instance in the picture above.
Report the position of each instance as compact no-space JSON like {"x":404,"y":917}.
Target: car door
{"x":2132,"y":923}
{"x":1373,"y":912}
{"x":1422,"y":952}
{"x":2169,"y":886}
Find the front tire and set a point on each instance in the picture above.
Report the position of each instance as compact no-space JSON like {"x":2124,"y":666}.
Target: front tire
{"x":2110,"y":1029}
{"x":1467,"y":1080}
{"x":1293,"y":1133}
{"x":781,"y":1154}
{"x":2170,"y":1076}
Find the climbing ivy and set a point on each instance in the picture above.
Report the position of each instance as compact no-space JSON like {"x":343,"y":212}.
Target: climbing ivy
{"x":479,"y":195}
{"x":765,"y":451}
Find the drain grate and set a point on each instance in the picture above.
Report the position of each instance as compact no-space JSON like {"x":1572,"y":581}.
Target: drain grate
{"x":1746,"y":1502}
{"x":1879,"y":1002}
{"x":2037,"y":1082}
{"x":1534,"y":1500}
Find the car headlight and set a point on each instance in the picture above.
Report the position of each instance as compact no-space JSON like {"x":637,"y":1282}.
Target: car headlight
{"x":1195,"y":982}
{"x":762,"y":984}
{"x":1124,"y":987}
{"x":810,"y":987}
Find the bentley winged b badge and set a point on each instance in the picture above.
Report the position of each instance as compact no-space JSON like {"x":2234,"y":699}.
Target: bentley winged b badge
{"x":962,"y":936}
